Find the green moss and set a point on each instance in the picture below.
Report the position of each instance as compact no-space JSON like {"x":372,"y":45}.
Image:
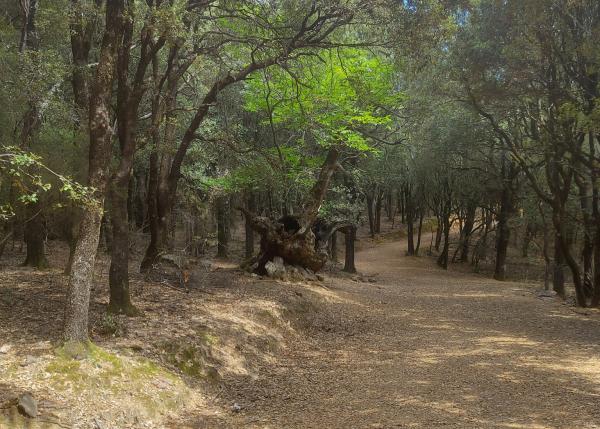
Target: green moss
{"x":188,"y":358}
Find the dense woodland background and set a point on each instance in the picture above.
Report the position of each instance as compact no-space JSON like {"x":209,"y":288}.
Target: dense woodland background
{"x":152,"y":129}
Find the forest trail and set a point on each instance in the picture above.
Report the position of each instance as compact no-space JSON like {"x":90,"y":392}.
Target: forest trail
{"x":425,"y":348}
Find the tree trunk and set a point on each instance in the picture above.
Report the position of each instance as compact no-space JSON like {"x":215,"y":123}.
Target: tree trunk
{"x":222,"y":211}
{"x":558,"y":279}
{"x":82,"y":271}
{"x":503,"y":234}
{"x":251,"y":206}
{"x":378,"y":204}
{"x":370,"y":214}
{"x":334,"y":248}
{"x":466,"y":233}
{"x":34,"y":238}
{"x":119,"y":301}
{"x":292,"y":238}
{"x":438,"y":233}
{"x":443,"y":258}
{"x":596,"y":295}
{"x":350,"y":238}
{"x":420,"y":231}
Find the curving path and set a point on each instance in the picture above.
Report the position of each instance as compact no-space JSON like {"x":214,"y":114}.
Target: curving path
{"x":424,"y":348}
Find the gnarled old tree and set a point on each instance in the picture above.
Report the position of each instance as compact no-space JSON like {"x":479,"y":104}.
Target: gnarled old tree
{"x":299,"y":240}
{"x":267,"y":42}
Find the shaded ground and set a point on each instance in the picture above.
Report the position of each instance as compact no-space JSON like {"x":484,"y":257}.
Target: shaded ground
{"x":417,"y":348}
{"x":424,"y":348}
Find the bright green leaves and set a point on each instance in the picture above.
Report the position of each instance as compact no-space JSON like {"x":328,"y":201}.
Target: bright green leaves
{"x":337,"y":97}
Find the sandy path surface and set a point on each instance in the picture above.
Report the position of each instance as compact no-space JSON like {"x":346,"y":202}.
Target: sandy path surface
{"x":424,"y":348}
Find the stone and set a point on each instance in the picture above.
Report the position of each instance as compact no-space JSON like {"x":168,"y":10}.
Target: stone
{"x":27,"y":405}
{"x":29,"y":360}
{"x":546,"y":294}
{"x":236,"y":408}
{"x":310,"y":275}
{"x":276,"y":268}
{"x":5,"y":349}
{"x":320,"y":277}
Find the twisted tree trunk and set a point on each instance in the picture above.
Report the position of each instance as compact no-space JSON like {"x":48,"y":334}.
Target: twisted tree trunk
{"x":292,"y":237}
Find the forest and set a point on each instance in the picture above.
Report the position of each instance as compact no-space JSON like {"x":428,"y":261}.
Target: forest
{"x":299,"y":213}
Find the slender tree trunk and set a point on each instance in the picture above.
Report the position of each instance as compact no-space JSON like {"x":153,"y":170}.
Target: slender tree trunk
{"x":378,"y":203}
{"x":443,"y":258}
{"x":558,"y":277}
{"x":503,"y":234}
{"x":334,"y":247}
{"x":438,"y":233}
{"x":596,"y":295}
{"x":389,"y":207}
{"x":251,"y":206}
{"x":410,"y":212}
{"x":466,"y":233}
{"x":222,"y":209}
{"x":34,"y":238}
{"x":370,"y":214}
{"x":350,"y":238}
{"x":420,"y":231}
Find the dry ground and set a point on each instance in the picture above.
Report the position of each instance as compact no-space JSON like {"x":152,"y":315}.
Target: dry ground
{"x":423,"y":348}
{"x":417,"y":348}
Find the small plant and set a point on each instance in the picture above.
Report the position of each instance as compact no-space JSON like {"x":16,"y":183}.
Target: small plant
{"x":111,"y":325}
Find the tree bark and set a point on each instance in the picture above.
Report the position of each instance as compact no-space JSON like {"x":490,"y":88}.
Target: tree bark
{"x":82,"y":271}
{"x":503,"y":233}
{"x":350,"y":239}
{"x":222,"y":211}
{"x":251,"y":206}
{"x":378,"y":204}
{"x":369,"y":198}
{"x":34,"y":238}
{"x":558,"y":278}
{"x":410,"y":221}
{"x":420,"y":231}
{"x":466,"y":232}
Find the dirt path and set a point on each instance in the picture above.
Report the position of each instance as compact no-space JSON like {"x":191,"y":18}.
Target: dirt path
{"x":423,"y":348}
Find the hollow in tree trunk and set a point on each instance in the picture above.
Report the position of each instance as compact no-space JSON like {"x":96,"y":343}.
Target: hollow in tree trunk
{"x":292,"y":237}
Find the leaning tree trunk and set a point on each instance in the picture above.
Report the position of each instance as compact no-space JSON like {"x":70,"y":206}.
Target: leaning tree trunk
{"x":420,"y":231}
{"x":82,"y":270}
